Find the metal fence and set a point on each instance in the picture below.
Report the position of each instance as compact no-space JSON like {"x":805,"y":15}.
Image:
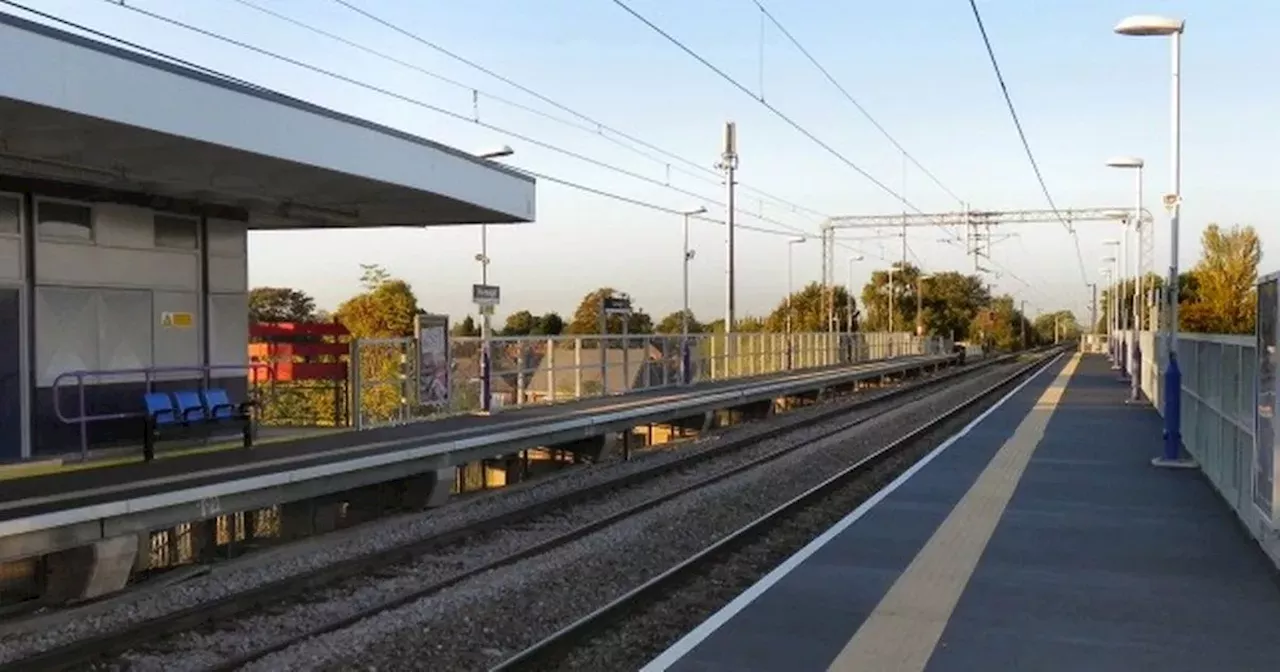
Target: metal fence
{"x":1219,"y":403}
{"x":533,"y":370}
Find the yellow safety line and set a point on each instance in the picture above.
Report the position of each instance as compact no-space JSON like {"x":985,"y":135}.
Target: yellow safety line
{"x":902,"y":632}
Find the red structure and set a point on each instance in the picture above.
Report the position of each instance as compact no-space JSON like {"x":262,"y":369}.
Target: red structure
{"x":298,"y":351}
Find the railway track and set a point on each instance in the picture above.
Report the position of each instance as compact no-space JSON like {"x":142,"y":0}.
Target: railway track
{"x":139,"y":635}
{"x":555,"y":651}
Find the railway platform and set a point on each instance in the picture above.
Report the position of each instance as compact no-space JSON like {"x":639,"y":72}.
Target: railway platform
{"x":1038,"y":538}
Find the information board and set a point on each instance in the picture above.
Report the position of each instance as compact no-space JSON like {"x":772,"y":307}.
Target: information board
{"x":432,"y":332}
{"x":1264,"y":452}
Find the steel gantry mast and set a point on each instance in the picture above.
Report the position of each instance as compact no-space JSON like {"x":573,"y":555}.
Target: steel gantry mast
{"x":976,"y":224}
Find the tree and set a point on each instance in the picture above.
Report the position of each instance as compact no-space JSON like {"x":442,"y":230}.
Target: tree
{"x":1225,"y":277}
{"x":519,"y":323}
{"x":280,"y":304}
{"x":550,"y":324}
{"x":1061,"y":323}
{"x":950,"y":302}
{"x":673,"y":323}
{"x":384,"y":310}
{"x":809,"y":310}
{"x":467,"y":327}
{"x":586,"y":319}
{"x":999,"y":325}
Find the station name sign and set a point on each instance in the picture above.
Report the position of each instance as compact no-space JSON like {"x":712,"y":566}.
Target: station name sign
{"x":486,"y":295}
{"x":617,"y":305}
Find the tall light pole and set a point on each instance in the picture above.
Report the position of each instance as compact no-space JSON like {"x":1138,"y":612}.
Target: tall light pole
{"x":1114,"y":309}
{"x":1146,"y":26}
{"x":920,"y":303}
{"x":849,"y":299}
{"x":486,"y":311}
{"x":791,"y":244}
{"x":687,"y":257}
{"x":1022,"y":323}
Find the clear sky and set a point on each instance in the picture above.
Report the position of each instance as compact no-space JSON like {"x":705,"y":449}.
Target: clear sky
{"x":918,"y":66}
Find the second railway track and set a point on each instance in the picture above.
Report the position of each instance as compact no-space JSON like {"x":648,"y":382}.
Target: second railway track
{"x":148,"y":637}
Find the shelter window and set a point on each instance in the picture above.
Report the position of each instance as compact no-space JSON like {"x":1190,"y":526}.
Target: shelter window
{"x":60,"y":219}
{"x":10,"y":215}
{"x":173,"y":232}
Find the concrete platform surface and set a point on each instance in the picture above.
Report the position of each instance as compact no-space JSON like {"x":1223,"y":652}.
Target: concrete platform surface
{"x":1042,"y":539}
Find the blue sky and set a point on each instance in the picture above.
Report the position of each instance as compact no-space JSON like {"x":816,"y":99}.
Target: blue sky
{"x":918,"y":66}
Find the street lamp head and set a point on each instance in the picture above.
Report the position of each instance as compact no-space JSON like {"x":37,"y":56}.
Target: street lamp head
{"x":856,"y":257}
{"x":700,"y":210}
{"x":1111,"y":241}
{"x":1148,"y":25}
{"x":1108,"y":260}
{"x":797,"y":241}
{"x":500,"y":152}
{"x":1125,"y":162}
{"x":1117,"y":214}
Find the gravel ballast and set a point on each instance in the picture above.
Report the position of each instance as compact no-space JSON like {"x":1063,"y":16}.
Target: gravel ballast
{"x":477,"y":623}
{"x":39,"y":634}
{"x":235,"y":638}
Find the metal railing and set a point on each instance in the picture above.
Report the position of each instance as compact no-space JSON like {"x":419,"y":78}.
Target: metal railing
{"x":1219,"y":406}
{"x":198,"y":375}
{"x":528,"y":370}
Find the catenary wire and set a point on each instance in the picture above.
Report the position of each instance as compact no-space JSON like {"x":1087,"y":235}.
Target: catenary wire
{"x":778,"y":113}
{"x":558,"y":105}
{"x":450,"y":113}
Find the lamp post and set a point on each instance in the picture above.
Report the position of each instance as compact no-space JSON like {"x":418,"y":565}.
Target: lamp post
{"x":849,"y":302}
{"x":1113,"y":310}
{"x":685,"y":368}
{"x":920,"y":303}
{"x":791,"y":244}
{"x":1022,"y":324}
{"x":1147,"y":26}
{"x":486,"y":393}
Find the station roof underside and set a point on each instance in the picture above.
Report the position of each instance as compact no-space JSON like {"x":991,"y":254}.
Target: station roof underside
{"x":78,"y":110}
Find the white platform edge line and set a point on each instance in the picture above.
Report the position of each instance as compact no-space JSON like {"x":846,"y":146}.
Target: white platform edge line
{"x":690,"y":641}
{"x":66,"y":517}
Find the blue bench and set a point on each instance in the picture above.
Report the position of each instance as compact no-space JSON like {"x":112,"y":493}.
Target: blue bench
{"x":188,"y":413}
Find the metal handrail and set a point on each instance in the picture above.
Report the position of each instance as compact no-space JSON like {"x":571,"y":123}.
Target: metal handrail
{"x":148,"y":374}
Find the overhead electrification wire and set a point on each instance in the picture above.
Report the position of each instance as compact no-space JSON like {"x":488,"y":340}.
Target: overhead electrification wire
{"x":586,"y":124}
{"x":1026,"y":146}
{"x":419,"y":103}
{"x":556,"y":104}
{"x":776,"y":112}
{"x":849,"y":97}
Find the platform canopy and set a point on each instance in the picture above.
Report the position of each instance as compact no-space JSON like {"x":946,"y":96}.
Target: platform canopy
{"x":74,"y":109}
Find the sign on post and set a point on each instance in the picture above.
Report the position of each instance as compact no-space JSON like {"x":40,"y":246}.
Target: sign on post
{"x":1171,"y":200}
{"x":486,"y":295}
{"x":617,"y":305}
{"x":170,"y":320}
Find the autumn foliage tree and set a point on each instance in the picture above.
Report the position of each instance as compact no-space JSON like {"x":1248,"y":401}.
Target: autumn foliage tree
{"x":384,"y":310}
{"x":586,"y":319}
{"x":1221,"y":297}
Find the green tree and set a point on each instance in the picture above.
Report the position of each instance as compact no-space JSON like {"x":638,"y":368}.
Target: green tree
{"x":466,"y":327}
{"x":1062,"y":323}
{"x":950,"y":301}
{"x":519,"y":323}
{"x":1000,"y":325}
{"x":549,"y":324}
{"x":586,"y":319}
{"x":876,"y":298}
{"x":808,"y":310}
{"x":280,"y":304}
{"x":672,"y":323}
